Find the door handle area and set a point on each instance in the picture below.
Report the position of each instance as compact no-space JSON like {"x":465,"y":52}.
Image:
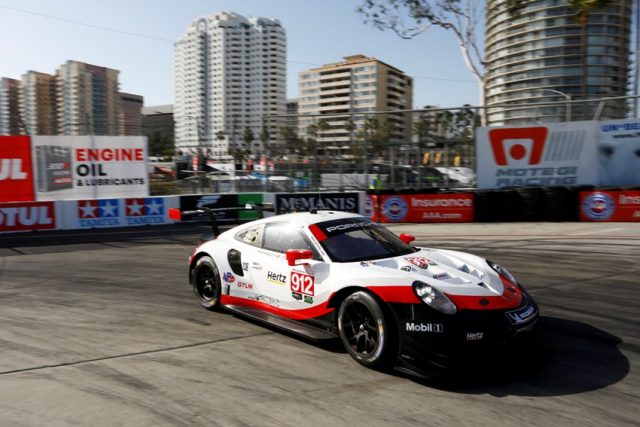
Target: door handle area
{"x":256,"y":265}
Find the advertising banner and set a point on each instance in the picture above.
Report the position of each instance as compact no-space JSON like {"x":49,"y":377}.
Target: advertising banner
{"x":613,"y":206}
{"x":189,"y":203}
{"x":421,"y":208}
{"x":27,"y":216}
{"x":619,"y":153}
{"x":304,"y":202}
{"x":103,"y":213}
{"x":89,"y":167}
{"x":540,"y":155}
{"x":16,"y":174}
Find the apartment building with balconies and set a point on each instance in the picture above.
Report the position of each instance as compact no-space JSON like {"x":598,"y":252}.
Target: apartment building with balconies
{"x":10,"y":120}
{"x":349,"y":93}
{"x":230,"y":75}
{"x":38,"y":103}
{"x":543,"y":54}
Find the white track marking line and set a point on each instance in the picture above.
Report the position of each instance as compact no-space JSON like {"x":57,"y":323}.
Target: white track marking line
{"x":597,"y":231}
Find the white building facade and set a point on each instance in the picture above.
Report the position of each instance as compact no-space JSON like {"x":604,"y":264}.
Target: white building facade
{"x":230,"y":73}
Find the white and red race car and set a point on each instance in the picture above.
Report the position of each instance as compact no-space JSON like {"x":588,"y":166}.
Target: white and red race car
{"x":329,"y":274}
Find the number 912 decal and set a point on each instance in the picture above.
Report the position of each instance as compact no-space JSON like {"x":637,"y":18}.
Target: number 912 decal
{"x":301,"y":284}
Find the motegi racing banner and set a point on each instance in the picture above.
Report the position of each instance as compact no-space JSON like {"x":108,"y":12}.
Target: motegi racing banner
{"x":421,"y":208}
{"x":614,"y":206}
{"x":537,"y":155}
{"x":89,"y":167}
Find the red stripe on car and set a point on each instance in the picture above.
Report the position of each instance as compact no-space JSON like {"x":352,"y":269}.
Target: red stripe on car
{"x":511,"y":298}
{"x":301,"y":314}
{"x":317,"y":233}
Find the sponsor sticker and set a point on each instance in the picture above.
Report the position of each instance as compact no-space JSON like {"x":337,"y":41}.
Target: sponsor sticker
{"x":308,"y":299}
{"x":244,"y":285}
{"x":302,"y":283}
{"x":522,"y":315}
{"x":424,"y":327}
{"x":276,"y":278}
{"x":475,"y":336}
{"x":422,"y":262}
{"x":441,"y":276}
{"x":228,"y":277}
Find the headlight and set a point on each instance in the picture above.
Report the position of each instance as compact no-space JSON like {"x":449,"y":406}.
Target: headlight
{"x":434,"y":298}
{"x":503,"y":272}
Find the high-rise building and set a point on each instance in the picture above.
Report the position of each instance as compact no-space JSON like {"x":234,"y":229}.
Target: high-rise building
{"x":10,"y":120}
{"x":229,"y":74}
{"x":543,"y":54}
{"x":158,"y":127}
{"x":130,"y":114}
{"x":38,"y":103}
{"x":88,"y":100}
{"x":358,"y":85}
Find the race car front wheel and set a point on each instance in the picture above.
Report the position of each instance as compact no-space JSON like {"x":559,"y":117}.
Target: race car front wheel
{"x":365,"y":331}
{"x":206,"y":283}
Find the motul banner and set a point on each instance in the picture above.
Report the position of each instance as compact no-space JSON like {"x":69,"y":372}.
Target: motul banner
{"x":16,"y":174}
{"x":613,"y":206}
{"x":43,"y":168}
{"x":421,"y":208}
{"x":27,"y":216}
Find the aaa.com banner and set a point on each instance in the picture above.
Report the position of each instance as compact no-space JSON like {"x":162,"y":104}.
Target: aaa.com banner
{"x":421,"y":208}
{"x":613,"y":206}
{"x":44,"y":168}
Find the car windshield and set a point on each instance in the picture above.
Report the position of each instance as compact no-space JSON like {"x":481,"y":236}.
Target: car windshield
{"x":358,"y":239}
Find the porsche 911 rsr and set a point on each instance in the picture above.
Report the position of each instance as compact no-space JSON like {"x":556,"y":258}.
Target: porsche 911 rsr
{"x":328,"y":275}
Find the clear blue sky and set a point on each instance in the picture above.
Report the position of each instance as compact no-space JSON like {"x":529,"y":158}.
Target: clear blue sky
{"x":318,"y":32}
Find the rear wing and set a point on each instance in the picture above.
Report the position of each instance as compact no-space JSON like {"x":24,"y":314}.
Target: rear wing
{"x":178,"y":215}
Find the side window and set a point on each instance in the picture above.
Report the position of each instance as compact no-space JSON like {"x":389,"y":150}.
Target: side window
{"x":251,"y":236}
{"x":280,"y":236}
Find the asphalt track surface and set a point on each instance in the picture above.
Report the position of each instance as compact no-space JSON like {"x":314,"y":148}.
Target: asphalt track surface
{"x":99,"y":328}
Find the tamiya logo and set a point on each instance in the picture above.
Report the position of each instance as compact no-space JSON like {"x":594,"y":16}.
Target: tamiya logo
{"x":145,"y":211}
{"x":98,"y":209}
{"x":98,"y":213}
{"x":517,"y":144}
{"x":598,"y":206}
{"x":144,"y":207}
{"x":395,"y":208}
{"x":228,"y":277}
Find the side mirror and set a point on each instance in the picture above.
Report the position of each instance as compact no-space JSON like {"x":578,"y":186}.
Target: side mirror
{"x":293,"y":255}
{"x":407,"y":238}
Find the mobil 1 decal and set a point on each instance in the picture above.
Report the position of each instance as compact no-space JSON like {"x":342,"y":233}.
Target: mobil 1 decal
{"x":302,"y":286}
{"x":304,"y":202}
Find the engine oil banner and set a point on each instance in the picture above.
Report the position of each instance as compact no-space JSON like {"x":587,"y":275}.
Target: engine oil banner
{"x":456,"y":207}
{"x":89,"y":167}
{"x":612,"y":206}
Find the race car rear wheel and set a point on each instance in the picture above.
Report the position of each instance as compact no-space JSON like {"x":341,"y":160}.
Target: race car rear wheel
{"x":366,"y":331}
{"x":206,"y":283}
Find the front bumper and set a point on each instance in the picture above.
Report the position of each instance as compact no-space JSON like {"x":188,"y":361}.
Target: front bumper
{"x":433,"y":344}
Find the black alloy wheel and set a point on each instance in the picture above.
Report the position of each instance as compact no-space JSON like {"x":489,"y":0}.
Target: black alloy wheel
{"x":365,"y":331}
{"x":205,"y":279}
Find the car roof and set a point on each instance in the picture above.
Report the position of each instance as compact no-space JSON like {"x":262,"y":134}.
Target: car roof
{"x":308,"y":218}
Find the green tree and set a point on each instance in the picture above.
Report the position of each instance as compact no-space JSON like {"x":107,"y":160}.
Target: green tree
{"x":248,"y":137}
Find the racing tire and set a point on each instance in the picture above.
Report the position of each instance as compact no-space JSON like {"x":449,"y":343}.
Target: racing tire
{"x":366,"y":331}
{"x":207,"y":287}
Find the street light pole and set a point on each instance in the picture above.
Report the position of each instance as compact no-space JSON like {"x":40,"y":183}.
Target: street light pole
{"x":567,"y":97}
